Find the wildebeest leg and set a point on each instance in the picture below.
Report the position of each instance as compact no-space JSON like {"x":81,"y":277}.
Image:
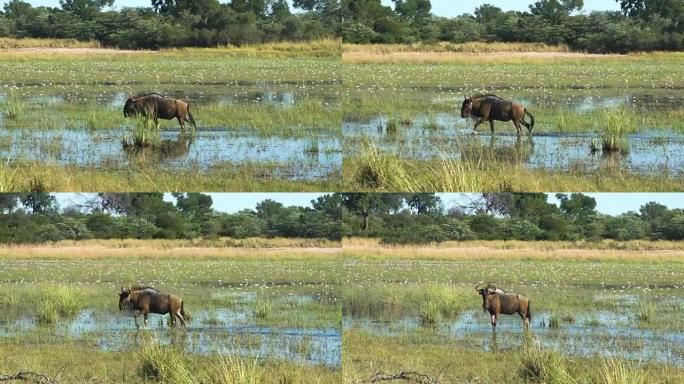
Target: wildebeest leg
{"x":156,"y":123}
{"x":135,"y":318}
{"x":172,"y":320}
{"x":517,"y":126}
{"x":494,"y":322}
{"x":145,"y":317}
{"x":482,"y":120}
{"x":182,"y":124}
{"x":491,"y":125}
{"x":180,"y":317}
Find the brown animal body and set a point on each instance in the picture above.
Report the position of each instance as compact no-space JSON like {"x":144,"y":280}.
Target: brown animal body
{"x":155,"y":106}
{"x":497,"y":302}
{"x":492,"y":107}
{"x":148,"y":300}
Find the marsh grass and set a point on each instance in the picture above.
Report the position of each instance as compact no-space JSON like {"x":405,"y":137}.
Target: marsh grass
{"x":162,"y":363}
{"x":13,"y":106}
{"x":234,"y":370}
{"x":645,"y":312}
{"x":613,"y":126}
{"x":8,"y":177}
{"x":46,"y":312}
{"x":616,"y":371}
{"x":430,"y":303}
{"x":376,"y":170}
{"x":55,"y":302}
{"x":539,"y":365}
{"x":263,"y":308}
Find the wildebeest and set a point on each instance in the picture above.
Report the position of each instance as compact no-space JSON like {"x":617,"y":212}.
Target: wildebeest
{"x":155,"y":106}
{"x":492,"y":107}
{"x":148,"y":300}
{"x":496,"y":302}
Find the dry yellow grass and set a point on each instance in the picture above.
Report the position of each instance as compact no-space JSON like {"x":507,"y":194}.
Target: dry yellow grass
{"x":267,"y":249}
{"x":468,"y":53}
{"x":668,"y":251}
{"x":475,"y":47}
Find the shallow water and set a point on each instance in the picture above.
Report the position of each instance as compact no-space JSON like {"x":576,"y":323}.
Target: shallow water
{"x":602,"y":332}
{"x":208,"y":148}
{"x":213,"y":331}
{"x":650,"y":151}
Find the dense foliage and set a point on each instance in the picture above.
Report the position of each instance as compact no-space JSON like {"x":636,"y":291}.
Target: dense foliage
{"x":35,"y":217}
{"x":421,"y":218}
{"x":173,"y":23}
{"x":642,"y":25}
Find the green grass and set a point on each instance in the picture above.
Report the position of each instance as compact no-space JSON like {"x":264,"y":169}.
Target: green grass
{"x":142,"y":177}
{"x":227,"y":88}
{"x":482,"y":171}
{"x":13,"y":107}
{"x":210,"y":278}
{"x":613,"y":126}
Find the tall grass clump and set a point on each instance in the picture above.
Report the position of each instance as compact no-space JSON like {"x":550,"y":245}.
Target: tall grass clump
{"x":645,"y":312}
{"x":13,"y":106}
{"x":234,"y":370}
{"x":613,"y":126}
{"x":47,"y":312}
{"x":430,"y":314}
{"x":8,"y":177}
{"x":616,"y":371}
{"x":263,"y":308}
{"x":162,"y":363}
{"x":144,"y":134}
{"x":55,"y":302}
{"x":538,"y":365}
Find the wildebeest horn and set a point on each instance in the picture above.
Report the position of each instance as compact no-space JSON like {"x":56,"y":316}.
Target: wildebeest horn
{"x":477,"y":286}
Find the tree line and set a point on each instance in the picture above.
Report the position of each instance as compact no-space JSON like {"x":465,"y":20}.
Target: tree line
{"x":422,"y":218}
{"x":36,"y":217}
{"x":641,"y":25}
{"x":174,"y":23}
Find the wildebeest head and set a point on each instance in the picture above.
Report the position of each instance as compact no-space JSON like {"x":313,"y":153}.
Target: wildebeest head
{"x":124,"y":298}
{"x":490,"y":289}
{"x":129,"y":108}
{"x":467,"y":107}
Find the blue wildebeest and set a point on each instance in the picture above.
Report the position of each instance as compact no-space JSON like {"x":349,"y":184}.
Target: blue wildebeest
{"x":155,"y":106}
{"x":492,"y":107}
{"x":496,"y":302}
{"x":148,"y":300}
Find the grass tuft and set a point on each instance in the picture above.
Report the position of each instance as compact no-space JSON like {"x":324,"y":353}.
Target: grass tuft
{"x":162,"y":363}
{"x":13,"y":106}
{"x":263,"y":308}
{"x":234,"y":370}
{"x":613,"y":126}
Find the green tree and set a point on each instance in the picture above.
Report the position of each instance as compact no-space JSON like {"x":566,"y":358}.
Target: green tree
{"x":577,"y":205}
{"x":424,"y":203}
{"x":85,"y":9}
{"x":8,"y":201}
{"x":39,"y":203}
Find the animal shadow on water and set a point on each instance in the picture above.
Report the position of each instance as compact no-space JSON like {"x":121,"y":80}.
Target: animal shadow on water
{"x":475,"y":150}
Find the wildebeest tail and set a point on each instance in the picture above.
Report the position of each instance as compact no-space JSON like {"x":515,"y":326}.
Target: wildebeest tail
{"x":191,"y":119}
{"x":531,"y":119}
